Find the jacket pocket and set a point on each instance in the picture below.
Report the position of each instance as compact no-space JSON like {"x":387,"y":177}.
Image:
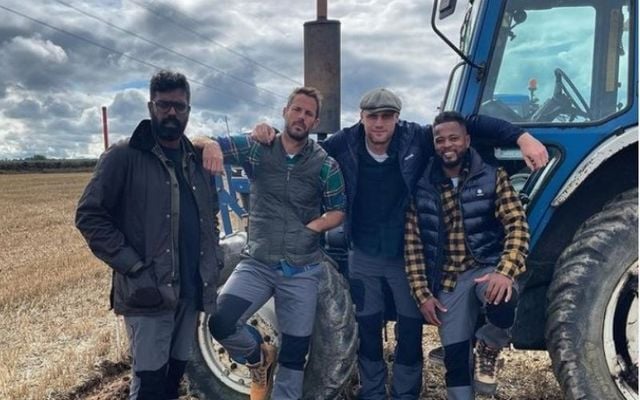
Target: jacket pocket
{"x":141,"y":290}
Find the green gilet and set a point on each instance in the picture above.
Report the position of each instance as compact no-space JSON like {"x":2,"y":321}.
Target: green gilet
{"x":284,"y":198}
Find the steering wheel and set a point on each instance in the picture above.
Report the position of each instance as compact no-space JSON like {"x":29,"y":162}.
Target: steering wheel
{"x":564,"y":101}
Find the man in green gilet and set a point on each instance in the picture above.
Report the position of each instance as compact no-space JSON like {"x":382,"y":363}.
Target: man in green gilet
{"x":297,"y":192}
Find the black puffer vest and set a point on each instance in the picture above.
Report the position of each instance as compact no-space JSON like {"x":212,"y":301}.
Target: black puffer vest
{"x":283,"y":200}
{"x":484,"y":234}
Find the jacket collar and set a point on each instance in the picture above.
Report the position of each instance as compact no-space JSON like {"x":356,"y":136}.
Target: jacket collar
{"x":144,"y":139}
{"x":476,"y":164}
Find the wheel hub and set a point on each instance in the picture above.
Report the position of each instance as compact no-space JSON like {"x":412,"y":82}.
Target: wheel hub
{"x":231,"y":373}
{"x":621,"y":333}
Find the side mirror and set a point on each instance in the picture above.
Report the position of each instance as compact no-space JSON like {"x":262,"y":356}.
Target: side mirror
{"x":447,"y":7}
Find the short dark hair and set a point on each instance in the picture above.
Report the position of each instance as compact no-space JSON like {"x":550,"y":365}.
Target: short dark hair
{"x":165,"y":81}
{"x":450,"y":116}
{"x":307,"y":91}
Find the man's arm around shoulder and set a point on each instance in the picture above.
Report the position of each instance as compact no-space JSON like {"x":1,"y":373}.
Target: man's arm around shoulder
{"x":500,"y":132}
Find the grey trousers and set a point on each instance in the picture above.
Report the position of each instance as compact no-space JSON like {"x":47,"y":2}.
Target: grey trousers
{"x":458,"y":324}
{"x":252,"y":284}
{"x":154,"y":340}
{"x":368,"y":277}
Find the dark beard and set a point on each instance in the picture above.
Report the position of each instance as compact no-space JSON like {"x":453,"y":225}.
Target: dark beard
{"x":452,"y":164}
{"x":164,"y":132}
{"x":462,"y":158}
{"x":298,"y":137}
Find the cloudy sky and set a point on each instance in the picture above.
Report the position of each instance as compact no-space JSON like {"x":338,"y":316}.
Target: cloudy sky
{"x":61,"y":60}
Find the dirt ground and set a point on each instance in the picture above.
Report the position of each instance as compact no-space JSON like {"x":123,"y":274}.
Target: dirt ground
{"x":526,"y":376}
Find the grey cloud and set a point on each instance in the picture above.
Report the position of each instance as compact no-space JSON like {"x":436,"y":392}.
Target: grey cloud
{"x":129,"y":104}
{"x":54,"y":83}
{"x":58,"y":108}
{"x":32,"y":62}
{"x":27,"y":108}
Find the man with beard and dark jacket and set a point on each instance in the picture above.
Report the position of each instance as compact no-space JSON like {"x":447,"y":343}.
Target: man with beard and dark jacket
{"x":149,"y":212}
{"x":466,"y":241}
{"x":381,"y":158}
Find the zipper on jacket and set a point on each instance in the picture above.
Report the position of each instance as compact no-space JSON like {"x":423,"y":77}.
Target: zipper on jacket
{"x":461,"y":187}
{"x":286,"y":194}
{"x":174,"y":183}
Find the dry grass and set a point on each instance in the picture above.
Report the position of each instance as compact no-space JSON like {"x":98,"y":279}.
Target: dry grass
{"x":56,"y":326}
{"x":53,"y":292}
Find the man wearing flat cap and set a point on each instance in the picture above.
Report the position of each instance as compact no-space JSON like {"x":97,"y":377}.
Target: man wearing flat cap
{"x":381,"y":158}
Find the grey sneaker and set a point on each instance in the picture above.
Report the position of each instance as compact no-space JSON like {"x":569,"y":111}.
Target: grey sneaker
{"x":486,"y":369}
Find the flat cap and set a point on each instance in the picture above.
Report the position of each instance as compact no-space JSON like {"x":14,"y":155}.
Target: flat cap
{"x":380,"y":99}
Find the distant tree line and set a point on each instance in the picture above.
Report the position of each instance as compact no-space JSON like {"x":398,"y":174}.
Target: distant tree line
{"x":40,"y":163}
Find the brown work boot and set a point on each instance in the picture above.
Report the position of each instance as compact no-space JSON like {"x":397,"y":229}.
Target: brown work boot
{"x":262,"y":373}
{"x":486,"y":369}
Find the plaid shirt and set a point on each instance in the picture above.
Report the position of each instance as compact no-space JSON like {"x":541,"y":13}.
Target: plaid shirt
{"x":509,"y":212}
{"x":242,"y":150}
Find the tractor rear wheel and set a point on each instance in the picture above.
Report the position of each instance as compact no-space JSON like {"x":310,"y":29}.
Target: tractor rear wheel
{"x":592,"y":317}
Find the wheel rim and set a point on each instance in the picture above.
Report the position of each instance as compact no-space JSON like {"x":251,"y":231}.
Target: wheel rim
{"x":620,"y":334}
{"x":232,"y":374}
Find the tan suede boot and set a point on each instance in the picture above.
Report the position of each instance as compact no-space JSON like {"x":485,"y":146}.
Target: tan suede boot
{"x":262,"y":373}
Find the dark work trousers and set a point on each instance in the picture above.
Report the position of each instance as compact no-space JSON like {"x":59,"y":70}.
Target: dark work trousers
{"x":252,"y":284}
{"x":367,"y":276}
{"x":458,"y":325}
{"x":160,"y":347}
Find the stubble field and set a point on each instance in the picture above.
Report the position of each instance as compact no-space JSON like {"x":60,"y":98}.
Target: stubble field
{"x":56,"y":325}
{"x":58,"y":339}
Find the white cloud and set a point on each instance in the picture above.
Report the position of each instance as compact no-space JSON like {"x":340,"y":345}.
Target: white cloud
{"x":35,"y":50}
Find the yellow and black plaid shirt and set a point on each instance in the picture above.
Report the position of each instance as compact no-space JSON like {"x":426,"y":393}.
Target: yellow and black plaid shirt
{"x":509,"y":212}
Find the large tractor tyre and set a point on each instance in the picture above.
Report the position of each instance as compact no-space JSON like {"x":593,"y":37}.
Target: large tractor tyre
{"x":334,"y":343}
{"x":213,"y":375}
{"x":592,"y":317}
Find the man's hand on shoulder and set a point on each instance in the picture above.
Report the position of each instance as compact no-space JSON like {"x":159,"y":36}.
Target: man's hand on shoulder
{"x":212,"y":158}
{"x":534,"y":152}
{"x":263,"y":133}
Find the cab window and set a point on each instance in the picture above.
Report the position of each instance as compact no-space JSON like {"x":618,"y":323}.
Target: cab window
{"x":559,"y":65}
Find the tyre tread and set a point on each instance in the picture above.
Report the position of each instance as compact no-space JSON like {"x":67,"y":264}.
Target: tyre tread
{"x":575,"y":270}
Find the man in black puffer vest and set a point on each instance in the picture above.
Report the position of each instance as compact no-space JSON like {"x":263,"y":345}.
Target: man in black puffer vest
{"x":466,"y":240}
